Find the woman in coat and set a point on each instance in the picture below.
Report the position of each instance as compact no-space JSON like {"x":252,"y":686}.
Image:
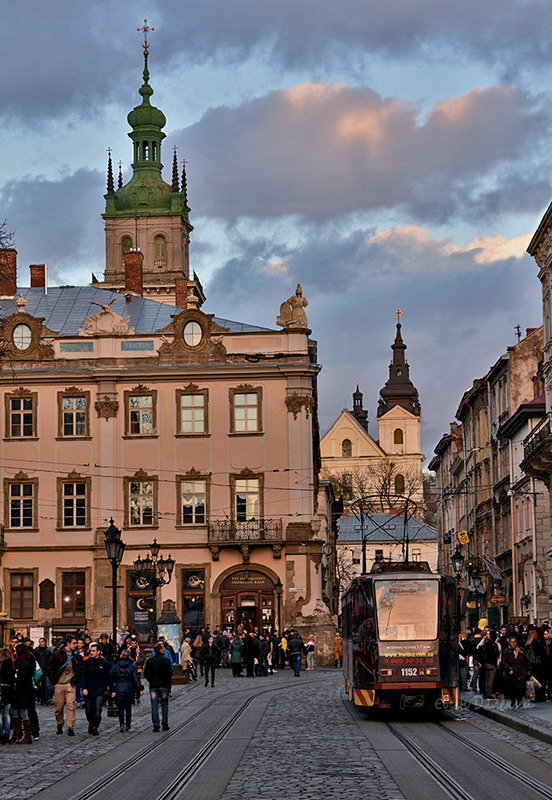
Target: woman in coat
{"x":236,"y":648}
{"x":24,"y":694}
{"x":186,"y":659}
{"x":126,"y":685}
{"x":7,"y":685}
{"x":536,"y":653}
{"x":517,"y":669}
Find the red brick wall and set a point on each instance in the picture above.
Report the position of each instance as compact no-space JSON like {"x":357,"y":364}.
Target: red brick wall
{"x":8,"y":272}
{"x":133,"y":272}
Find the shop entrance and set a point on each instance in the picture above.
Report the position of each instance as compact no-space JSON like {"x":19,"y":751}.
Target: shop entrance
{"x":248,"y":600}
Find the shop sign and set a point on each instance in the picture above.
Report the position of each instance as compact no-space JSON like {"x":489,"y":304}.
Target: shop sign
{"x":463,"y":537}
{"x":498,"y":598}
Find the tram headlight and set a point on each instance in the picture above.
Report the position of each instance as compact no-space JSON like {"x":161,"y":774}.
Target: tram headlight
{"x":386,"y":673}
{"x":431,"y":672}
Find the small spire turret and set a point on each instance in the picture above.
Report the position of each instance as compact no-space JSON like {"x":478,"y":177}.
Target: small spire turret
{"x":175,"y":187}
{"x":184,"y":181}
{"x":360,"y":413}
{"x":110,"y":187}
{"x":120,"y":179}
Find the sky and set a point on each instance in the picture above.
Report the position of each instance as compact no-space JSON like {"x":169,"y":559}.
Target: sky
{"x":383,"y":154}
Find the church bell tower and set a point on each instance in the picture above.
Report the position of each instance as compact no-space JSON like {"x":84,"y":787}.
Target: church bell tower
{"x":147,"y":214}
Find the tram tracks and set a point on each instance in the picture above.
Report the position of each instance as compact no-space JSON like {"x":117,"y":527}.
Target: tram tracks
{"x":195,"y":764}
{"x":442,"y":776}
{"x":450,"y":784}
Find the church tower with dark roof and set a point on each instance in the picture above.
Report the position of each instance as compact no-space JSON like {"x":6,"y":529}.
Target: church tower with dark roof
{"x":399,"y":389}
{"x":399,"y":411}
{"x":147,"y":214}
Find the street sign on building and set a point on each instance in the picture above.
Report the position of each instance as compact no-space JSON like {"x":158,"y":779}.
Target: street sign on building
{"x":463,"y":537}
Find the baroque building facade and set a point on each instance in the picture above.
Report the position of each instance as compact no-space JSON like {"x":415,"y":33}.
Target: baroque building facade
{"x":124,"y":399}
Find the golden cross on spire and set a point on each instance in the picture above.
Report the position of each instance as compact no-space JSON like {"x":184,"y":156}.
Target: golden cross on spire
{"x":399,"y":314}
{"x":144,"y":29}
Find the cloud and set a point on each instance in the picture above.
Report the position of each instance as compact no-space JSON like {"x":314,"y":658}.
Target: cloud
{"x":58,"y":223}
{"x":461,"y":304}
{"x":322,"y":150}
{"x":77,"y":56}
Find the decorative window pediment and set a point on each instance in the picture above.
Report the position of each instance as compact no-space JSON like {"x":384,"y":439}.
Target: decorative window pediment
{"x":194,"y":340}
{"x":24,"y":338}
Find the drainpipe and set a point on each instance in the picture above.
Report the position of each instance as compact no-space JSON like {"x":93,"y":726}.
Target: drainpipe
{"x":535,"y":559}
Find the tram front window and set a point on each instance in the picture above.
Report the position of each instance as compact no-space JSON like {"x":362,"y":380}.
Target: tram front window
{"x":407,"y":609}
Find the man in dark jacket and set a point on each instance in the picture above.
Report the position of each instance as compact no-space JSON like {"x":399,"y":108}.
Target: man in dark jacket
{"x":210,"y":654}
{"x":106,"y":649}
{"x":64,"y":670}
{"x":158,"y":673}
{"x":42,"y":654}
{"x":295,"y":648}
{"x":95,"y":682}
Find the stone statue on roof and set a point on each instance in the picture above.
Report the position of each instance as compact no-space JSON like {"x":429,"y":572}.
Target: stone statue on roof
{"x":292,"y":311}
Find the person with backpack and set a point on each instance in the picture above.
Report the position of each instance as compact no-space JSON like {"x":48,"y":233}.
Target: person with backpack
{"x":64,"y":671}
{"x":126,"y":685}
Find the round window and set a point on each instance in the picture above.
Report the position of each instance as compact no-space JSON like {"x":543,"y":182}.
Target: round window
{"x":192,"y":333}
{"x":22,"y":337}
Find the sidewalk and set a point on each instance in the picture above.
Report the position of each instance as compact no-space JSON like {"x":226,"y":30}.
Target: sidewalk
{"x":534,"y":719}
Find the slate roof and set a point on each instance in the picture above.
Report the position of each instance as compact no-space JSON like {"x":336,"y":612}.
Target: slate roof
{"x":348,"y":529}
{"x":65,"y":307}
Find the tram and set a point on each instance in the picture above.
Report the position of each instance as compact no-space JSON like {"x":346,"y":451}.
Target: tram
{"x":400,"y":634}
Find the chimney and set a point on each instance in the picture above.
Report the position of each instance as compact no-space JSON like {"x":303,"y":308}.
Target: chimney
{"x":181,"y":292}
{"x":133,"y":272}
{"x":8,"y":272}
{"x":38,"y":277}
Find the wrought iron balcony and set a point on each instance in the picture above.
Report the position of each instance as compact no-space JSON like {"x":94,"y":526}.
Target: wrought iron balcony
{"x":537,"y":438}
{"x":254,"y":531}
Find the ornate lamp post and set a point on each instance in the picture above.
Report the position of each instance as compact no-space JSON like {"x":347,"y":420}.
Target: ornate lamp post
{"x":457,"y":560}
{"x":278,"y":588}
{"x":114,"y":547}
{"x":157,"y":570}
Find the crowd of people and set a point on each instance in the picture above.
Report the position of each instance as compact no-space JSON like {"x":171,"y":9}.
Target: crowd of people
{"x":81,"y":672}
{"x":514,"y":661}
{"x":248,"y":652}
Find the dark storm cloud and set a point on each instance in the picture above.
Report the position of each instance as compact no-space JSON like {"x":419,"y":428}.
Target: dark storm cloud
{"x":58,"y":223}
{"x":65,"y":55}
{"x":322,"y":150}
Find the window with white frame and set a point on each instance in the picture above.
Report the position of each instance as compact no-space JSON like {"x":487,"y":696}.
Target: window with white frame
{"x":247,"y":499}
{"x":140,"y":503}
{"x":193,"y":501}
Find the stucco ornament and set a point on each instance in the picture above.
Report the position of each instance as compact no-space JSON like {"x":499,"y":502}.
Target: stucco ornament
{"x":107,"y":407}
{"x":296,"y":402}
{"x":106,"y":322}
{"x":292,"y":311}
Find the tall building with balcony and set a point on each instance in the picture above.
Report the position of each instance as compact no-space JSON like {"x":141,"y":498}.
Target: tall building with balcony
{"x":188,"y":429}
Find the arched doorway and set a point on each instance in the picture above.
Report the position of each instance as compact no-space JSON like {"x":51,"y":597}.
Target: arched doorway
{"x":247,"y":597}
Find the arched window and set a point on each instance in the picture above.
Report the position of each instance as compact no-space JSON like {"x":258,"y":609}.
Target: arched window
{"x":159,"y":251}
{"x":399,"y":484}
{"x":346,"y":448}
{"x":398,"y":437}
{"x":126,"y":245}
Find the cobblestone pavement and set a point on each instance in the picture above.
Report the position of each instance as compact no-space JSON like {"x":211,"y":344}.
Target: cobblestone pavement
{"x":522,"y":741}
{"x":308,"y":745}
{"x":26,"y":769}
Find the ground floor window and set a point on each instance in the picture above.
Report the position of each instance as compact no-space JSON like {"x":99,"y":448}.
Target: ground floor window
{"x":73,"y":594}
{"x":21,"y":595}
{"x":193,"y":599}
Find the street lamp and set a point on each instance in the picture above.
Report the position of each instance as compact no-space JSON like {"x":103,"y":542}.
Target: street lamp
{"x":457,"y":560}
{"x":114,"y":547}
{"x":278,"y":588}
{"x":158,"y":572}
